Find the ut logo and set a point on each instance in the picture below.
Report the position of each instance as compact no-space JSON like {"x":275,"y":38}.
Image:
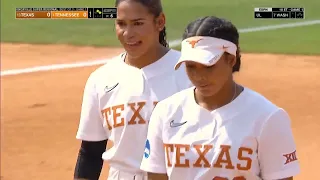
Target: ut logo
{"x":290,"y":157}
{"x":194,"y":41}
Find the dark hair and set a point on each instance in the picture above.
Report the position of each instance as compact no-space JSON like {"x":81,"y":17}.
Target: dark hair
{"x":155,"y":8}
{"x":215,"y":27}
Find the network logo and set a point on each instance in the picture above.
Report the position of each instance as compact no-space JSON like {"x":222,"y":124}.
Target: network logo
{"x":147,"y":150}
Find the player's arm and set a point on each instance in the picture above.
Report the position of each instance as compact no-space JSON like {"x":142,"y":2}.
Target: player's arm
{"x":290,"y":178}
{"x":277,"y":150}
{"x":153,"y":160}
{"x":155,"y":176}
{"x":93,"y":135}
{"x":89,"y":163}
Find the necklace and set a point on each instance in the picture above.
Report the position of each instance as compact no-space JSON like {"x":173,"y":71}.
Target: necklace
{"x":235,"y":92}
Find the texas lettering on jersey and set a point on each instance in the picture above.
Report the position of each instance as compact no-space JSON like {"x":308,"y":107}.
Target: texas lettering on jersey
{"x":223,"y":161}
{"x":116,"y":113}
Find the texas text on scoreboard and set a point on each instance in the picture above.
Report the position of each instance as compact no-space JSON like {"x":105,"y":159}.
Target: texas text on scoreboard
{"x":279,"y":13}
{"x":66,"y":13}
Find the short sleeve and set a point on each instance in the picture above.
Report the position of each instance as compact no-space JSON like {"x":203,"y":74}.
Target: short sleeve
{"x":91,"y":121}
{"x":277,"y":150}
{"x":154,"y":154}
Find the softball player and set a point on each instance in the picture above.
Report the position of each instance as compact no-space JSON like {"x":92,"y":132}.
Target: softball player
{"x":120,"y":96}
{"x":217,"y":130}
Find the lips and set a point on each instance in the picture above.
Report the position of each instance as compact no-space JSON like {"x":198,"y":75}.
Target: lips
{"x":132,"y":44}
{"x":203,"y":85}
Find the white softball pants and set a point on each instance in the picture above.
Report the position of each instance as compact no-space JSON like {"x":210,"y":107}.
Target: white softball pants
{"x":115,"y":174}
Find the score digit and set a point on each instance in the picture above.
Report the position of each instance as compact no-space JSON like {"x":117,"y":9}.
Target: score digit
{"x":90,"y":13}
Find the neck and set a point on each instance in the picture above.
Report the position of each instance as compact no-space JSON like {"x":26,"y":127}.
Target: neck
{"x":151,"y":56}
{"x":224,"y":96}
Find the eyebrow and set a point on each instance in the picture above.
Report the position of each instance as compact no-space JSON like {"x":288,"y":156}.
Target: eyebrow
{"x":138,"y":19}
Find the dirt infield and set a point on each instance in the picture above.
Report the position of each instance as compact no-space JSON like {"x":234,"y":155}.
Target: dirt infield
{"x":40,"y":111}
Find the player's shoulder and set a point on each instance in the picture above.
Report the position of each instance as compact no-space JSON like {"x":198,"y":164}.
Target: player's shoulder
{"x":109,"y":68}
{"x":180,"y":74}
{"x":169,"y":60}
{"x":173,"y":55}
{"x":179,"y":97}
{"x":260,"y":101}
{"x":175,"y":102}
{"x":261,"y":106}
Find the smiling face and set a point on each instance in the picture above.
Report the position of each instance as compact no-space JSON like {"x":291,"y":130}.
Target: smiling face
{"x":210,"y":79}
{"x":136,"y":28}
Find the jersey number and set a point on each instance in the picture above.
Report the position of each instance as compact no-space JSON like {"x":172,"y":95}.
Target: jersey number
{"x":235,"y":178}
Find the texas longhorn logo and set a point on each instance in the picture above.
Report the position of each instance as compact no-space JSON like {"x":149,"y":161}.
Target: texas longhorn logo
{"x":194,"y":41}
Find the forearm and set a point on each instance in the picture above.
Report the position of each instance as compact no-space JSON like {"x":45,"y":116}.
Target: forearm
{"x":87,"y":169}
{"x":289,"y":178}
{"x":155,"y":176}
{"x":89,"y":163}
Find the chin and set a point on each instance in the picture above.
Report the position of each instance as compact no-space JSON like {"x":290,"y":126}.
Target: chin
{"x":135,"y":53}
{"x":206,"y":92}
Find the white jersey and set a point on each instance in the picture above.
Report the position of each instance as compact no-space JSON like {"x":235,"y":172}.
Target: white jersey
{"x":118,"y":101}
{"x":247,"y":139}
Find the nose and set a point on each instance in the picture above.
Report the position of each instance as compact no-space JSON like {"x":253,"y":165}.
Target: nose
{"x":128,"y":32}
{"x":199,"y":75}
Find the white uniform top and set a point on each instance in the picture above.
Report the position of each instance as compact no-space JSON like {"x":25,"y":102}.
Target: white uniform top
{"x":247,"y":139}
{"x":118,"y":101}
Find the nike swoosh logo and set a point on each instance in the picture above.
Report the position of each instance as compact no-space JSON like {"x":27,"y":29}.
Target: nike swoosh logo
{"x":108,"y":89}
{"x":173,"y":124}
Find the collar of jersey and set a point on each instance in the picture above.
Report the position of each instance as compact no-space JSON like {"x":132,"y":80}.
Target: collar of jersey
{"x":229,"y":110}
{"x":161,"y":66}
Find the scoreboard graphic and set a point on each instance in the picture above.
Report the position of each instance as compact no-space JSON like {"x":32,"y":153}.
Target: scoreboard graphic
{"x":279,"y":13}
{"x":66,"y":13}
{"x":111,"y":13}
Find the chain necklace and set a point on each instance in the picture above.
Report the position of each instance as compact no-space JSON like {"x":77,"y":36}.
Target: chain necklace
{"x":235,"y":92}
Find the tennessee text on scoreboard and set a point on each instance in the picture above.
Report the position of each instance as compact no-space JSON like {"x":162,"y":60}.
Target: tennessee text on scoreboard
{"x":279,"y":13}
{"x":66,"y":13}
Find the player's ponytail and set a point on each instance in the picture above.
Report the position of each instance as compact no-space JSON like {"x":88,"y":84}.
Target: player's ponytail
{"x":163,"y":38}
{"x":155,"y":8}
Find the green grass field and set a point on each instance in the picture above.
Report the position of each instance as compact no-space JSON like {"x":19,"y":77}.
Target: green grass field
{"x":300,"y":40}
